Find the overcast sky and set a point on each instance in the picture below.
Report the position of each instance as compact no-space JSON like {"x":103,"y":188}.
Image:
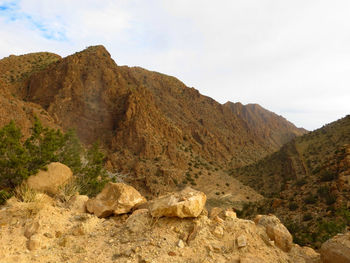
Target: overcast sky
{"x":292,"y":57}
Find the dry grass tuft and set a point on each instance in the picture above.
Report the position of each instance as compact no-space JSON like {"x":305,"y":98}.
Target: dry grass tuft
{"x":69,"y":190}
{"x":25,"y":194}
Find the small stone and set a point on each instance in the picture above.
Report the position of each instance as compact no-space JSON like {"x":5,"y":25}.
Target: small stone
{"x":180,"y":244}
{"x":79,"y":230}
{"x":216,"y":248}
{"x":31,"y":229}
{"x":214,"y":212}
{"x":218,"y":231}
{"x":229,"y":214}
{"x":218,"y":220}
{"x":34,"y":242}
{"x":171,"y":253}
{"x":77,"y":203}
{"x":48,"y":235}
{"x":241,"y":241}
{"x":63,"y":241}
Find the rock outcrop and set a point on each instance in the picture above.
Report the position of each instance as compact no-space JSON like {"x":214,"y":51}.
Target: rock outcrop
{"x":336,"y":249}
{"x":115,"y":198}
{"x":276,"y":231}
{"x":56,"y":233}
{"x":186,"y":203}
{"x":78,"y":203}
{"x":50,"y":180}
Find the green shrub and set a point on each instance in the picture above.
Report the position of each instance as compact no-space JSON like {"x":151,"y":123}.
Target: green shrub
{"x":307,"y":217}
{"x":293,"y":206}
{"x":19,"y":159}
{"x":4,"y":195}
{"x":310,"y":199}
{"x":328,"y":229}
{"x":301,"y":182}
{"x":327,"y":176}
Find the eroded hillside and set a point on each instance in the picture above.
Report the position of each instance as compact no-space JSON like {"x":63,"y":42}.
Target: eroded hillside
{"x":308,"y":182}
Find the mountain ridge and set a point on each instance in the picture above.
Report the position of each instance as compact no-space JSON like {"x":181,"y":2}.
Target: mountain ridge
{"x":152,"y":126}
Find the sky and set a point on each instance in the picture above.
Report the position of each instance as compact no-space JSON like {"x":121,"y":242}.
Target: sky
{"x":291,"y":57}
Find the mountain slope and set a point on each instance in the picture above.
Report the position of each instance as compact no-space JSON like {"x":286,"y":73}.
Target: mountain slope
{"x":265,"y":124}
{"x":308,"y":181}
{"x":152,"y":126}
{"x":14,"y":74}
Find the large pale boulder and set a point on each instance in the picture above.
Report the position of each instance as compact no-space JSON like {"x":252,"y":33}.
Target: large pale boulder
{"x":50,"y":181}
{"x":336,"y":249}
{"x":186,"y":203}
{"x":115,"y":198}
{"x":276,"y":231}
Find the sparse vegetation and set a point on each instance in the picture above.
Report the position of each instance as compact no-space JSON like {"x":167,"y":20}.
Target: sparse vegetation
{"x":20,"y":159}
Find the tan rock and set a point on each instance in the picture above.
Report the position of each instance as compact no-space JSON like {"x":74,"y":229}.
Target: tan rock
{"x":115,"y":198}
{"x":56,"y":176}
{"x":139,"y":221}
{"x":31,"y":229}
{"x":214,"y":212}
{"x":229,"y":214}
{"x":276,"y":231}
{"x":34,"y":242}
{"x":186,"y":203}
{"x":78,"y":203}
{"x":336,"y":249}
{"x":241,"y":241}
{"x":218,"y":231}
{"x":304,"y":254}
{"x":180,"y":244}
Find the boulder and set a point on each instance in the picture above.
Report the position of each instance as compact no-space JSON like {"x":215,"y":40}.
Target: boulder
{"x":336,"y":249}
{"x":115,"y":198}
{"x":276,"y":231}
{"x":304,"y":254}
{"x":139,"y":221}
{"x":78,"y":203}
{"x":186,"y":203}
{"x":50,"y":181}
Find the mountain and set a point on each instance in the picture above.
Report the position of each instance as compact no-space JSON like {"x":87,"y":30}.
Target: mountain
{"x":14,"y":75}
{"x":265,"y":124}
{"x":308,"y":182}
{"x":157,"y":132}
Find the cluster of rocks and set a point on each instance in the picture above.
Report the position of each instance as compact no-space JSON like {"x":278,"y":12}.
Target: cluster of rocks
{"x":172,"y":228}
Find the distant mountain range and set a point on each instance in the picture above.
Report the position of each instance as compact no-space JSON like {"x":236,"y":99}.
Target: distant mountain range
{"x":151,"y":125}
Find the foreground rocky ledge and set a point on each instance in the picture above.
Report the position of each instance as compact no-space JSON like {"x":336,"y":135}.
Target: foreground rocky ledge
{"x":47,"y":230}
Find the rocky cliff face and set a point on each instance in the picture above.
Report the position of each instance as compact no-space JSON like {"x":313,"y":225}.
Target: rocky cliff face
{"x":265,"y":124}
{"x":14,"y":75}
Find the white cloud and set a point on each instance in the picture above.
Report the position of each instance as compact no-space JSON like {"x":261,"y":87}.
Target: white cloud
{"x":292,"y":57}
